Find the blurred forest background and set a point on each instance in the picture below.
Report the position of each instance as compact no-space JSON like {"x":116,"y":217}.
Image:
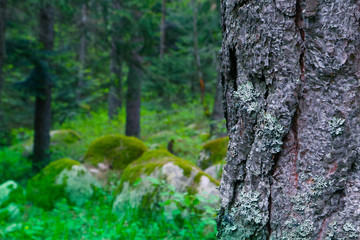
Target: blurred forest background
{"x":73,"y":73}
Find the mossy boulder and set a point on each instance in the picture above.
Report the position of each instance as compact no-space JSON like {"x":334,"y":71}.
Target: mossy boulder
{"x":12,"y":197}
{"x":183,"y":175}
{"x":116,"y":151}
{"x":61,"y":137}
{"x":215,"y":170}
{"x":213,"y":152}
{"x":64,"y":178}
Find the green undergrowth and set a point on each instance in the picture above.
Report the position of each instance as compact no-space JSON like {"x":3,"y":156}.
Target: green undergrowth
{"x":96,"y":221}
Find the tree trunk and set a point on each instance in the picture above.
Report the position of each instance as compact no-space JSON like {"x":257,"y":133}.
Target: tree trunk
{"x":218,"y":113}
{"x":115,"y":91}
{"x":82,"y":54}
{"x":133,"y":97}
{"x":162,"y":29}
{"x":199,"y":72}
{"x":290,"y":76}
{"x":2,"y":43}
{"x":42,"y":121}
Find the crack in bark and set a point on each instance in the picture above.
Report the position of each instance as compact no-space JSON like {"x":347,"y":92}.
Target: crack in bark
{"x":294,"y":124}
{"x":233,"y":67}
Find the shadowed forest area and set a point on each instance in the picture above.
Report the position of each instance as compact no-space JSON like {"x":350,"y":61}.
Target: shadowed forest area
{"x":111,"y":120}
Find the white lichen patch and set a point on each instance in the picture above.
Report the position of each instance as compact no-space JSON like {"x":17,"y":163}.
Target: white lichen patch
{"x":272,"y":132}
{"x":336,"y":126}
{"x":248,"y":95}
{"x":78,"y":184}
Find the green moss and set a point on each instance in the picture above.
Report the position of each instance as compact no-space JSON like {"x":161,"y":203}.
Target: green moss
{"x":200,"y":174}
{"x":151,"y":160}
{"x":65,"y":136}
{"x":116,"y":150}
{"x":42,"y":189}
{"x":215,"y":152}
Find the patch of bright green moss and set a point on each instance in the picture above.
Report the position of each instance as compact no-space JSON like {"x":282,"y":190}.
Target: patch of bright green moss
{"x":65,"y":136}
{"x":200,"y":174}
{"x":117,"y":150}
{"x":151,"y":160}
{"x":216,"y":152}
{"x":42,"y":189}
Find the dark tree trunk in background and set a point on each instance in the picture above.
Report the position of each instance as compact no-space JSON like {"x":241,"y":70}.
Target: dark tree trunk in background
{"x":42,"y":124}
{"x":162,"y":29}
{"x":82,"y":53}
{"x":133,"y":96}
{"x":200,"y":75}
{"x":2,"y":44}
{"x":290,"y":75}
{"x":217,"y":115}
{"x":115,"y":96}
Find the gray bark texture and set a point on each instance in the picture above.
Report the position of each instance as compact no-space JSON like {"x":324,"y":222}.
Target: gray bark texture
{"x":290,"y":76}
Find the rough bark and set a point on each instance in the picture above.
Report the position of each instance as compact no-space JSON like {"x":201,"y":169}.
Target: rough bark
{"x":42,"y":121}
{"x":133,"y":96}
{"x":2,"y":42}
{"x":290,"y":73}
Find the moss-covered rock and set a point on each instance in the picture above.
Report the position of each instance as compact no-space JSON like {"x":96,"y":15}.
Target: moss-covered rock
{"x":61,"y":137}
{"x":215,"y":170}
{"x":12,"y":196}
{"x":183,"y":175}
{"x":213,"y":152}
{"x":114,"y":150}
{"x":64,"y":178}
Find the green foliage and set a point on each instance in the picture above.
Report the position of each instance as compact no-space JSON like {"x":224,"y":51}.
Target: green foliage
{"x":95,"y":221}
{"x":116,"y":150}
{"x":13,"y":166}
{"x":11,"y":192}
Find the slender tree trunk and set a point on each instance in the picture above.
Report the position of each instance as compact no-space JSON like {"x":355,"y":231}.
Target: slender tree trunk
{"x":82,"y":54}
{"x":290,"y":76}
{"x":2,"y":43}
{"x":200,"y":76}
{"x":115,"y":96}
{"x":42,"y":122}
{"x":217,"y":116}
{"x":162,"y":29}
{"x":133,"y":97}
